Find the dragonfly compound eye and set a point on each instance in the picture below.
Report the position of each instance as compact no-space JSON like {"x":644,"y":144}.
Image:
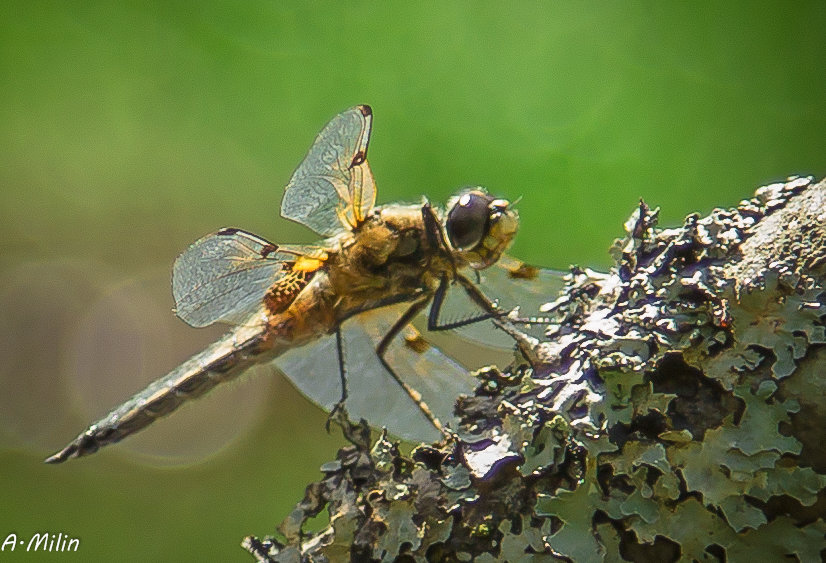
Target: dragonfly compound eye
{"x":467,"y":220}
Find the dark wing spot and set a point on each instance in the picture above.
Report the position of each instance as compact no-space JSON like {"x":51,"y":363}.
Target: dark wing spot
{"x":358,"y":159}
{"x":366,"y":110}
{"x":227,"y":231}
{"x":267,"y":249}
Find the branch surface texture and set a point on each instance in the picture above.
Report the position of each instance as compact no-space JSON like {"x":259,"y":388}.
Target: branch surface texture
{"x":674,"y":412}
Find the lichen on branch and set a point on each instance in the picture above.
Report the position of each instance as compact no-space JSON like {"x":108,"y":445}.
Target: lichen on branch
{"x":673,"y":410}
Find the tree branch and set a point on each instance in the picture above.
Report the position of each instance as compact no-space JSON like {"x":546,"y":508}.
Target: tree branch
{"x":675,"y":410}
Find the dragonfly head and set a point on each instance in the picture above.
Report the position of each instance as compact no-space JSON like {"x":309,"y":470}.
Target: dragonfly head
{"x":480,"y":227}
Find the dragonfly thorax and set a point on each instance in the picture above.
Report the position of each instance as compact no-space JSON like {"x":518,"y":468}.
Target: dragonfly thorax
{"x":389,"y":252}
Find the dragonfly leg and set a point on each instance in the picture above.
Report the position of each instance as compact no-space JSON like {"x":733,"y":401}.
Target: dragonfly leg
{"x":524,"y":343}
{"x":490,"y":310}
{"x":381,"y":350}
{"x":343,"y":374}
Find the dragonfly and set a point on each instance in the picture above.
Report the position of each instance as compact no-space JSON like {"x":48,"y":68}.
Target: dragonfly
{"x":336,"y":317}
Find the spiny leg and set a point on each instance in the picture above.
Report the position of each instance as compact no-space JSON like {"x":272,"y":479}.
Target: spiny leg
{"x":339,"y":406}
{"x":433,"y":323}
{"x":381,"y":350}
{"x":478,"y":297}
{"x":524,"y":343}
{"x":499,"y":316}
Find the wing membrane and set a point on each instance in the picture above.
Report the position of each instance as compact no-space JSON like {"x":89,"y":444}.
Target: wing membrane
{"x":224,"y":276}
{"x":333,"y":188}
{"x":372,"y":392}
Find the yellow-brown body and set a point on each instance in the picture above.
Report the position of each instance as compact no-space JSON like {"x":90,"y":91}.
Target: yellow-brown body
{"x":375,"y":256}
{"x":389,"y":259}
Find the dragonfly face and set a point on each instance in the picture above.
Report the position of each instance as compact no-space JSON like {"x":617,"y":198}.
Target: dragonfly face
{"x":339,"y":308}
{"x":480,"y":227}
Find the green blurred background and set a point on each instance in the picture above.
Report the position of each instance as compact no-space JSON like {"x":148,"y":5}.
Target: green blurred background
{"x":129,"y":130}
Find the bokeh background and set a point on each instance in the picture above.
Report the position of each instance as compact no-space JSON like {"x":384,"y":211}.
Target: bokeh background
{"x":128,"y":130}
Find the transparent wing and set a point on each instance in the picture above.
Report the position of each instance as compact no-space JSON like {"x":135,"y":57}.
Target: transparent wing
{"x":225,"y":275}
{"x":333,"y":188}
{"x":372,"y":392}
{"x":509,"y":283}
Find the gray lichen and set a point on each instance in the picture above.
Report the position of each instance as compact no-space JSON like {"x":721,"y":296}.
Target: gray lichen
{"x":673,"y":411}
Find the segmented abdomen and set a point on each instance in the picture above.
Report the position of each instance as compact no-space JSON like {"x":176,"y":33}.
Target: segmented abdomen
{"x":222,"y":361}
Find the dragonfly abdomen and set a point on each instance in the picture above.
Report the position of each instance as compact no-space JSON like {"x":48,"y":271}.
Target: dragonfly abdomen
{"x":222,"y":361}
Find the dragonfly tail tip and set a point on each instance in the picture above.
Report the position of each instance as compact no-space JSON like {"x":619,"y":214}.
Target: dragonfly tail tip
{"x":58,"y":457}
{"x":68,"y":452}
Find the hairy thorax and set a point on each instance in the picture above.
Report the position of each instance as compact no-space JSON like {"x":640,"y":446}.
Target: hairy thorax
{"x":389,"y":257}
